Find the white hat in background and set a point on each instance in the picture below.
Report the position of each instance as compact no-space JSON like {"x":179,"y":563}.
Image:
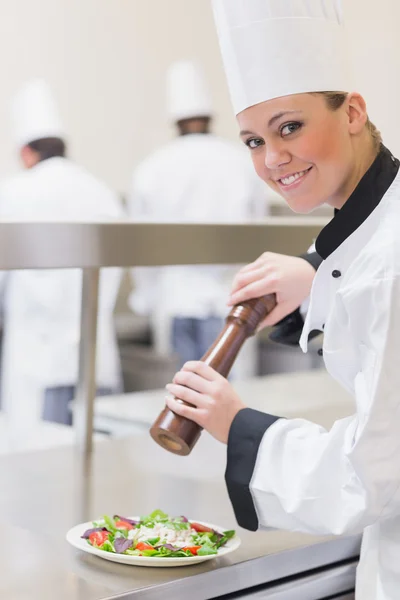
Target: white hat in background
{"x":35,"y":114}
{"x":188,"y":95}
{"x":274,"y":48}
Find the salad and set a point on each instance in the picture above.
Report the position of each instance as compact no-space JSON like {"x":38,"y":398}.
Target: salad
{"x":157,"y":534}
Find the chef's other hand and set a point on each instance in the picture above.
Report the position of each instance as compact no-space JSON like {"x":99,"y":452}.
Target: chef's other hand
{"x":288,"y":277}
{"x":214,"y":401}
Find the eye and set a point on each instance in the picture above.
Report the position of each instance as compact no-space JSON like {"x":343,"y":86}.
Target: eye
{"x":290,"y":128}
{"x":253,"y":143}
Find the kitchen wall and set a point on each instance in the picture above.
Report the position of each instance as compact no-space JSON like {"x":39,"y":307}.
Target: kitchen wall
{"x":106,"y":61}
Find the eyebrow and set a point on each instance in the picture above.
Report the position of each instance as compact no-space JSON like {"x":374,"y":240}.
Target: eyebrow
{"x":272,"y":120}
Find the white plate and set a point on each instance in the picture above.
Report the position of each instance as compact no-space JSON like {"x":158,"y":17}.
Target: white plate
{"x":75,"y":539}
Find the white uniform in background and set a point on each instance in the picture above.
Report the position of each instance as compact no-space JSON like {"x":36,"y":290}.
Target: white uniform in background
{"x":42,"y":307}
{"x":196,"y":178}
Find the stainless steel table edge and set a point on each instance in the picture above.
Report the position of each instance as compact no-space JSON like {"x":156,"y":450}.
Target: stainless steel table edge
{"x":323,"y":584}
{"x":260,"y":571}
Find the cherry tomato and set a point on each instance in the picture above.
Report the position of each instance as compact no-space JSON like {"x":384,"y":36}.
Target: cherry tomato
{"x":143,"y":546}
{"x":192,"y":549}
{"x":97,"y":538}
{"x":123,"y":525}
{"x":200,"y":528}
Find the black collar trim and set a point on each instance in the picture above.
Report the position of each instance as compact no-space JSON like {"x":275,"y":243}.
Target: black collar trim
{"x":362,"y":202}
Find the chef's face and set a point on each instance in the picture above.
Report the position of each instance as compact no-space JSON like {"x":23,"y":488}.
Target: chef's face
{"x":307,"y":152}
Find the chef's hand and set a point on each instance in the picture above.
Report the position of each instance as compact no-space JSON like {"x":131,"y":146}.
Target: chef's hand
{"x":215,"y":402}
{"x":288,"y":277}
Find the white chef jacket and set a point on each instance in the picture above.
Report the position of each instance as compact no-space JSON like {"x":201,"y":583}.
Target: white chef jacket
{"x":196,"y":178}
{"x":294,"y":474}
{"x":42,"y":307}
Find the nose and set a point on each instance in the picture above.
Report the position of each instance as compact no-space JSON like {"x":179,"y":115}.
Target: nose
{"x":276,"y":155}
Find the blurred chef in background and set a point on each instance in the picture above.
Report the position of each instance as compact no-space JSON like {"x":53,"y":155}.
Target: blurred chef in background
{"x":196,"y":178}
{"x":42,"y":307}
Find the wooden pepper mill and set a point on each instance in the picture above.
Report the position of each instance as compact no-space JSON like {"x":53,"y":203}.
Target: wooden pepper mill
{"x":178,"y":434}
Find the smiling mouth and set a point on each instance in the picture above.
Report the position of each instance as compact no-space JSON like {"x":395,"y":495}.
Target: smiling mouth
{"x":290,"y":179}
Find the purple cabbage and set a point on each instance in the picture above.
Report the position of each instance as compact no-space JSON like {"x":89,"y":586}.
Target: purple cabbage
{"x":184,"y":519}
{"x":168,"y":547}
{"x":121,"y":544}
{"x":87,"y":533}
{"x":133,"y":523}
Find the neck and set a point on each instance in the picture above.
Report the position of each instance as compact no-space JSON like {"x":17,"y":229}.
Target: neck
{"x":181,"y":133}
{"x":364,"y":158}
{"x":194,"y":125}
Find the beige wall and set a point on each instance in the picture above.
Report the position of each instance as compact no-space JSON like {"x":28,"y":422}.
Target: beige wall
{"x":106,"y":61}
{"x":375,"y":53}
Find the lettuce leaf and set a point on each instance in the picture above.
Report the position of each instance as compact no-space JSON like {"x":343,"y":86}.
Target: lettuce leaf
{"x":110,"y":524}
{"x":108,"y":546}
{"x":158,"y":515}
{"x":150,"y":553}
{"x":152,"y":541}
{"x":206,"y":551}
{"x":225,"y":538}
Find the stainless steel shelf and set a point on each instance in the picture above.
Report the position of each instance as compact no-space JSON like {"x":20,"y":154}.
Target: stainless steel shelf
{"x":92,"y":246}
{"x":126,"y":244}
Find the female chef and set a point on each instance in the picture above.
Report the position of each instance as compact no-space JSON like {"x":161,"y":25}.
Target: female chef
{"x":311,"y":140}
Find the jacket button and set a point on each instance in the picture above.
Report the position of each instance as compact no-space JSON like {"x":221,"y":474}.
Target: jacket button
{"x":336,"y":274}
{"x":320,"y":352}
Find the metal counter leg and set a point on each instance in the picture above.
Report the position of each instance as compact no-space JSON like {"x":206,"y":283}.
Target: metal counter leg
{"x":86,"y":389}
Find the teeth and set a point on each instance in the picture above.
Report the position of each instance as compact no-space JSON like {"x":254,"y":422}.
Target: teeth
{"x":292,"y":178}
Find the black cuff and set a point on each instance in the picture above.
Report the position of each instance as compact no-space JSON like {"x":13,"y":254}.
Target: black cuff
{"x":288,"y":330}
{"x":313,"y":258}
{"x":247,"y":431}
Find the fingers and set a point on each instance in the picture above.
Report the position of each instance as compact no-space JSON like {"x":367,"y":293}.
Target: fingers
{"x":192,"y":381}
{"x":194,"y":414}
{"x":183,"y":393}
{"x":243,"y":279}
{"x":202,"y":369}
{"x":237,"y":282}
{"x":194,"y":384}
{"x":254,"y":290}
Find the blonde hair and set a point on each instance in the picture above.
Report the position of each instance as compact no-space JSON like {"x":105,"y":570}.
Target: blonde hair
{"x":335,"y":100}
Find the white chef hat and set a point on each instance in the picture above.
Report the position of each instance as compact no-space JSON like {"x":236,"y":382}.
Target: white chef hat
{"x":35,"y":115}
{"x":187,"y":92}
{"x":274,"y":48}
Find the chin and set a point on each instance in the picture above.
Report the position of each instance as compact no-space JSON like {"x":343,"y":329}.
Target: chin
{"x":302,"y":206}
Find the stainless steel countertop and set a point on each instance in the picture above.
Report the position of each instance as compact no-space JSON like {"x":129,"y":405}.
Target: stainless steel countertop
{"x":45,"y":493}
{"x":312,"y":394}
{"x":42,"y":436}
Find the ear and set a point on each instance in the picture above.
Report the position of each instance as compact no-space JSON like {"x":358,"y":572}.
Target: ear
{"x":356,"y":110}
